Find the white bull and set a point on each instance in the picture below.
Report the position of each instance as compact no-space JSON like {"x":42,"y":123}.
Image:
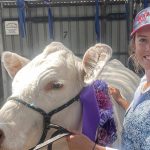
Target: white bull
{"x":50,"y":80}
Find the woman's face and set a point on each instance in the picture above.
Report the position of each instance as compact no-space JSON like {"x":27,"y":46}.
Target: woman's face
{"x":142,"y":47}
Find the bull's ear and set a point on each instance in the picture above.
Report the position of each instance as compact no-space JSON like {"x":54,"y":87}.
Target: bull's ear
{"x":13,"y":62}
{"x":94,"y":60}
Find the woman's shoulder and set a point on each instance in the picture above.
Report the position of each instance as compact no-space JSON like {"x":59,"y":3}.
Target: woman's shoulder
{"x":143,"y":79}
{"x":139,"y":88}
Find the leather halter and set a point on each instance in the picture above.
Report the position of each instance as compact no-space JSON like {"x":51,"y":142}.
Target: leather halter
{"x":47,"y":125}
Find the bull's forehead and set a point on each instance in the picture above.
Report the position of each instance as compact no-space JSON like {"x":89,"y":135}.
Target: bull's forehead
{"x":52,"y":67}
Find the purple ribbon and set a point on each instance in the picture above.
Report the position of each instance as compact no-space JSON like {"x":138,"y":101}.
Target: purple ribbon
{"x":90,"y":116}
{"x":97,"y":117}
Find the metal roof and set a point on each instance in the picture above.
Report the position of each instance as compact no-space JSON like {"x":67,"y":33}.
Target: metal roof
{"x":30,"y":3}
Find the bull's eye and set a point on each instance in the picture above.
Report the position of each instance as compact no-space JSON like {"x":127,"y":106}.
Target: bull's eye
{"x":57,"y":85}
{"x":53,"y":86}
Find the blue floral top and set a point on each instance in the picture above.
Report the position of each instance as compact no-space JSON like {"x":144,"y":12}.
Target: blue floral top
{"x":136,"y":127}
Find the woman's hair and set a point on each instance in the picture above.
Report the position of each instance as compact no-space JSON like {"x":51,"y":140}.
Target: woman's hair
{"x":132,"y":58}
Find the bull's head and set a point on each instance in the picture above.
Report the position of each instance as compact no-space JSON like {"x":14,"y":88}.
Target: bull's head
{"x":47,"y":82}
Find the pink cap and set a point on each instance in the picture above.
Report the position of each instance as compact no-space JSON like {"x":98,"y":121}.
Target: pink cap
{"x":142,"y":19}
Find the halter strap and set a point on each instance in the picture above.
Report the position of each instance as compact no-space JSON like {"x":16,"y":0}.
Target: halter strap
{"x":46,"y":116}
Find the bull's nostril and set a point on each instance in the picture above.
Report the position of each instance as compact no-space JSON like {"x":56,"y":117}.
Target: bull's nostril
{"x":1,"y":136}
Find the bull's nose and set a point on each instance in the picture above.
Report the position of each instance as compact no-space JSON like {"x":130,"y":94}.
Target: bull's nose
{"x":2,"y":136}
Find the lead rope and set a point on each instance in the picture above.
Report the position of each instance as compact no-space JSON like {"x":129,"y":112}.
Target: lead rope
{"x":60,"y":133}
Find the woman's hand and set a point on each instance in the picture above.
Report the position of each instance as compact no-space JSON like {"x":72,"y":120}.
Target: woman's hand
{"x":79,"y":142}
{"x":115,"y":93}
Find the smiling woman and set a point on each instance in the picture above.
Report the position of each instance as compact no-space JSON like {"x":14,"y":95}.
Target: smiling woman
{"x":137,"y":117}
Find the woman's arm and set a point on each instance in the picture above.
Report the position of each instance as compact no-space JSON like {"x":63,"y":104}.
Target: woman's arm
{"x":115,"y":93}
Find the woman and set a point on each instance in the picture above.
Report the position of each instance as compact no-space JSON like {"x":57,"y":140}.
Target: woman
{"x":136,"y":126}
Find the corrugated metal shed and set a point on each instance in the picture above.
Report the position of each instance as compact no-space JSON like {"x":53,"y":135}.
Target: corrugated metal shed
{"x":73,"y":24}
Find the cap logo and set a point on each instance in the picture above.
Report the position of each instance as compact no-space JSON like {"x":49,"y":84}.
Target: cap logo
{"x":143,"y":16}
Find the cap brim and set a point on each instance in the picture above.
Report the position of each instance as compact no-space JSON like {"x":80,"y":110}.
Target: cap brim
{"x":134,"y":31}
